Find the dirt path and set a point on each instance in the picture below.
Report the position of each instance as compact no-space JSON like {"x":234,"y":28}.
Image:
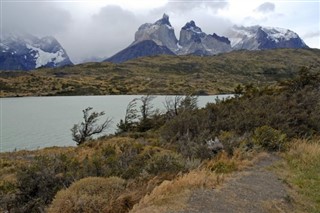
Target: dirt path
{"x":256,"y":189}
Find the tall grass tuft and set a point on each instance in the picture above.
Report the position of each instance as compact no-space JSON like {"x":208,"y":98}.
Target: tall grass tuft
{"x":303,"y":173}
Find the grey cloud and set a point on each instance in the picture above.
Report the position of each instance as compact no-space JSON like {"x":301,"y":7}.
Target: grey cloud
{"x":249,"y":20}
{"x":187,"y":5}
{"x":38,"y":18}
{"x":266,"y":7}
{"x":203,"y":12}
{"x":117,"y":26}
{"x":212,"y":24}
{"x":104,"y":34}
{"x":313,"y":34}
{"x":113,"y":29}
{"x":114,"y":15}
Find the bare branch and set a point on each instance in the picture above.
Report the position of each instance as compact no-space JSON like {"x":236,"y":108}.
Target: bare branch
{"x":172,"y":105}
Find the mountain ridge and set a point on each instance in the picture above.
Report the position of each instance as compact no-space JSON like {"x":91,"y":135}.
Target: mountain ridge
{"x":194,"y":41}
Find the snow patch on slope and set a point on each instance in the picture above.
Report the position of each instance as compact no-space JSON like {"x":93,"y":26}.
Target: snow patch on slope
{"x":43,"y":58}
{"x":276,"y":33}
{"x":239,"y":34}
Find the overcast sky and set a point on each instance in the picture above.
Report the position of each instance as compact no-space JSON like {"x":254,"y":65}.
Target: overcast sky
{"x":100,"y":28}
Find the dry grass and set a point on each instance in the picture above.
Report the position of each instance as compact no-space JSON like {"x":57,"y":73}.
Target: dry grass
{"x":173,"y":195}
{"x":305,"y":152}
{"x":183,"y":74}
{"x":92,"y":194}
{"x":225,"y":164}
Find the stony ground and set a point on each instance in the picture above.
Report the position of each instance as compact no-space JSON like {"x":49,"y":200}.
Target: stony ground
{"x":256,"y":189}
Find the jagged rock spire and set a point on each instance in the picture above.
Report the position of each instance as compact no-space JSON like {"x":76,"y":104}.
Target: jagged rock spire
{"x":164,"y":20}
{"x":192,"y":26}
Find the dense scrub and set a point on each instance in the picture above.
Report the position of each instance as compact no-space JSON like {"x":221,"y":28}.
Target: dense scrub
{"x":151,"y":147}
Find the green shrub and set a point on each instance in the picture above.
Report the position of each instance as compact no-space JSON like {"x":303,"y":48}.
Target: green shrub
{"x":269,"y":138}
{"x":38,"y":182}
{"x":224,"y":167}
{"x":165,"y":162}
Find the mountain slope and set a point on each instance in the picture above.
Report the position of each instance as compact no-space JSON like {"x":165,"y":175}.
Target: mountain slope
{"x":143,"y":48}
{"x":27,"y":52}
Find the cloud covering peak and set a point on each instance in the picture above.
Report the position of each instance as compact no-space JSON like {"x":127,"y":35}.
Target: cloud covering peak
{"x":266,"y":7}
{"x":99,"y":29}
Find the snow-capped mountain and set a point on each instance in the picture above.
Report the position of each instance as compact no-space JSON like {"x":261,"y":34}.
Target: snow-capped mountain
{"x":194,"y":41}
{"x":259,"y":38}
{"x":20,"y":51}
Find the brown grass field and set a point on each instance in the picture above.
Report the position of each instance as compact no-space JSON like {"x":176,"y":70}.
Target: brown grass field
{"x":162,"y":74}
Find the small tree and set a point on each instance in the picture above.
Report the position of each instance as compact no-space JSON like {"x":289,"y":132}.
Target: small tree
{"x":83,"y":131}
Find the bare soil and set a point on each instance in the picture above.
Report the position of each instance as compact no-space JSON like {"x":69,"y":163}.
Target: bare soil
{"x":256,"y":189}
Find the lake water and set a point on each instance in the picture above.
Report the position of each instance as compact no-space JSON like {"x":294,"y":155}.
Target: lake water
{"x":37,"y":122}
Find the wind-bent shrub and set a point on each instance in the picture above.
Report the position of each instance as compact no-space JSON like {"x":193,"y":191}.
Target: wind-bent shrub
{"x":130,"y":119}
{"x":147,"y":111}
{"x":83,"y":131}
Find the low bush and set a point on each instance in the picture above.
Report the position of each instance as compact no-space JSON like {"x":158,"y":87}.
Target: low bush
{"x":165,"y":162}
{"x":38,"y":182}
{"x":269,"y":138}
{"x":92,"y":194}
{"x":231,"y":141}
